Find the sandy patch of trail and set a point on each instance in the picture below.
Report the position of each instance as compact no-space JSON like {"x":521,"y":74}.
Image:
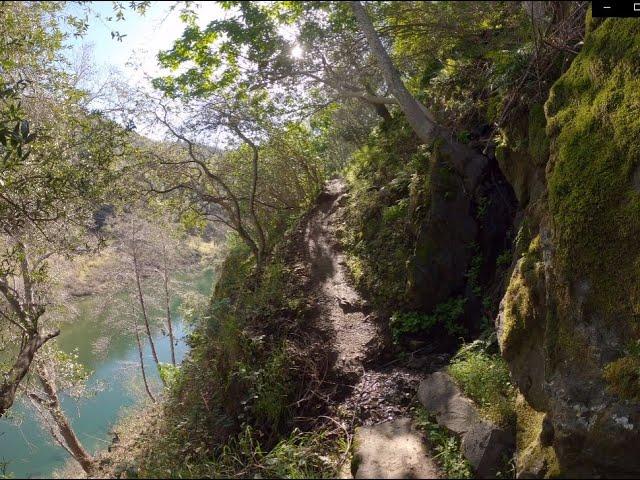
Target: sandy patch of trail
{"x":340,"y":305}
{"x":377,"y":395}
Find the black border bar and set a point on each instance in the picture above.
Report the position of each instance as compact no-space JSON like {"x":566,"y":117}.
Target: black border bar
{"x":613,"y":8}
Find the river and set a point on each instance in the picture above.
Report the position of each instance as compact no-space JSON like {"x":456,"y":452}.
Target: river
{"x":29,"y":450}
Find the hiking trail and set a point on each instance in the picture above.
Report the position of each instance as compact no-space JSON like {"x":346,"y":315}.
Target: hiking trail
{"x":378,"y":397}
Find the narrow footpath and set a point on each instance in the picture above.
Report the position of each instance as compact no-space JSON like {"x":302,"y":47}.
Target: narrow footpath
{"x":378,"y":395}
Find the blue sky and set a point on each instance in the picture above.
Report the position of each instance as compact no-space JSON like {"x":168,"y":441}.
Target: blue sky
{"x":145,"y":36}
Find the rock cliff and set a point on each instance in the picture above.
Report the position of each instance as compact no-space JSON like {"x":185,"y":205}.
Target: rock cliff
{"x":569,"y":323}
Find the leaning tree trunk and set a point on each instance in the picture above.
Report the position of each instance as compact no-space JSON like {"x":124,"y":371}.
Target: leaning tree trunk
{"x":52,"y":404}
{"x":165,"y":280}
{"x":418,"y":117}
{"x":27,"y":312}
{"x":468,"y":163}
{"x":141,"y":358}
{"x":261,"y":241}
{"x":145,"y":317}
{"x":11,"y":382}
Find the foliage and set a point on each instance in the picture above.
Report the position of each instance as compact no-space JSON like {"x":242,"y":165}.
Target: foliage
{"x":3,"y":470}
{"x":389,"y":189}
{"x":57,"y":161}
{"x":54,"y":151}
{"x":69,"y":371}
{"x":475,"y":267}
{"x":445,"y":445}
{"x":486,"y":380}
{"x":269,"y":389}
{"x":233,"y":403}
{"x":445,"y":316}
{"x":250,"y":51}
{"x":505,"y":258}
{"x":288,"y":122}
{"x":238,"y":185}
{"x":168,"y":374}
{"x":461,"y":56}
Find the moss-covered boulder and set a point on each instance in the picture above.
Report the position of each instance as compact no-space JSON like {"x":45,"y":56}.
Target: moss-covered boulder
{"x":522,"y":154}
{"x":570,"y":320}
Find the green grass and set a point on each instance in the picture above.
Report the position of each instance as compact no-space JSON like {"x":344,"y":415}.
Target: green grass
{"x":485,"y":379}
{"x":445,"y":445}
{"x":299,"y":455}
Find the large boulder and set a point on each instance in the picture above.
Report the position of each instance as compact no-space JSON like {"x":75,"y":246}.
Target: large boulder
{"x":461,"y":226}
{"x":484,"y":444}
{"x":442,"y":254}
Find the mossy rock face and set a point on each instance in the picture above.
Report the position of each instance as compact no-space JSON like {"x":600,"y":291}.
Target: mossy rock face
{"x":459,"y":226}
{"x":594,"y":120}
{"x":523,"y":153}
{"x":534,"y":458}
{"x":521,"y":324}
{"x":623,"y":377}
{"x":594,"y":110}
{"x":573,"y":303}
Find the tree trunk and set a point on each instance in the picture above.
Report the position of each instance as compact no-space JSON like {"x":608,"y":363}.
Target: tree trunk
{"x":71,"y":442}
{"x":418,"y":117}
{"x":136,"y":271}
{"x":468,"y":163}
{"x":10,"y":383}
{"x":141,"y":357}
{"x":165,"y":280}
{"x":262,"y":239}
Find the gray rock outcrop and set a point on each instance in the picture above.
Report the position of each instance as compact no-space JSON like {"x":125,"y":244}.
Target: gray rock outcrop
{"x":484,"y":444}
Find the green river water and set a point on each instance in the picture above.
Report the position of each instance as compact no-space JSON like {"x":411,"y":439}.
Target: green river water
{"x":29,"y":450}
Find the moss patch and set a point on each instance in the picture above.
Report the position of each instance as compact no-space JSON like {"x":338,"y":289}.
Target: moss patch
{"x":594,"y":120}
{"x":531,"y":456}
{"x":538,"y":142}
{"x":623,"y":377}
{"x":519,"y":315}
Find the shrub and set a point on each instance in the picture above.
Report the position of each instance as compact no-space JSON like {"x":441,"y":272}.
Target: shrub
{"x":168,"y":374}
{"x":396,"y":212}
{"x":505,"y":259}
{"x":445,"y":315}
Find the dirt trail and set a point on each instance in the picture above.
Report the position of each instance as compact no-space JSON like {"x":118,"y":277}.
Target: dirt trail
{"x":376,"y":393}
{"x":340,"y":305}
